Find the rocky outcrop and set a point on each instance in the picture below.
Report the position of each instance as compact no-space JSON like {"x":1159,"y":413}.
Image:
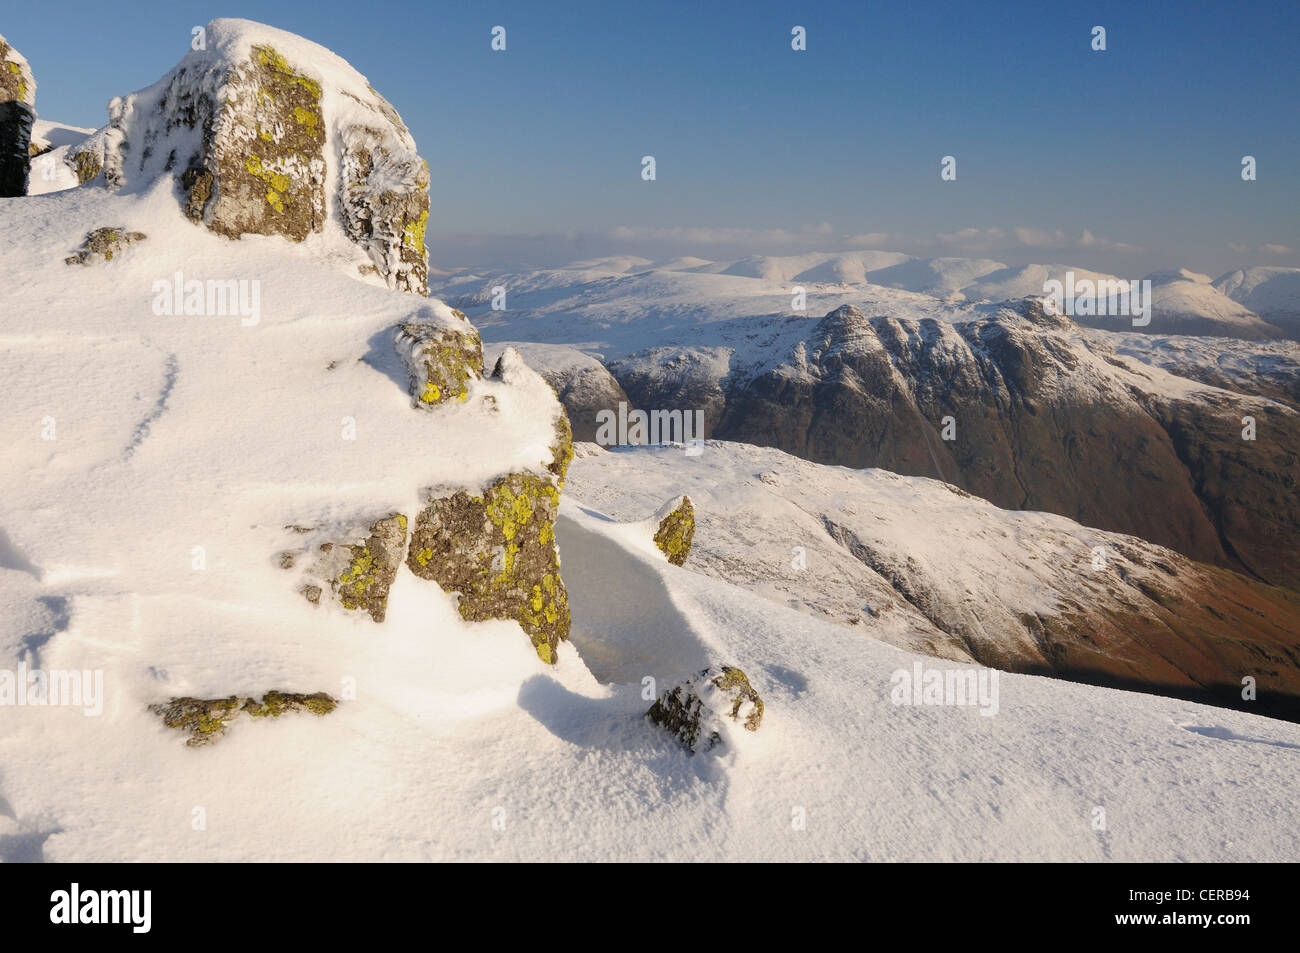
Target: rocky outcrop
{"x":699,"y":710}
{"x":496,"y":549}
{"x":256,"y":129}
{"x":104,"y":243}
{"x":17,"y":113}
{"x":676,"y":529}
{"x":206,"y":720}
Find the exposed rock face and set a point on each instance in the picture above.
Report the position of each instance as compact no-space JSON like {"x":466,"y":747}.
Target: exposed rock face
{"x":104,"y":243}
{"x":1042,"y":419}
{"x":364,"y":584}
{"x":243,"y":128}
{"x":17,"y":113}
{"x":262,"y":170}
{"x":698,"y":710}
{"x":497,"y":550}
{"x":676,"y":529}
{"x":206,"y":720}
{"x":384,"y":197}
{"x":442,"y":360}
{"x":86,"y":158}
{"x":357,"y":575}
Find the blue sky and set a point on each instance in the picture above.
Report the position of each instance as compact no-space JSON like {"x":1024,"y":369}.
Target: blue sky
{"x":1126,"y":160}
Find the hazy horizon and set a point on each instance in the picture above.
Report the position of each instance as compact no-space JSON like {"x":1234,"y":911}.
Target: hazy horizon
{"x":1126,"y":160}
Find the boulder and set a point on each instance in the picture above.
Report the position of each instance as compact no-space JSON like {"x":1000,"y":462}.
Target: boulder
{"x":17,"y":113}
{"x":497,"y":551}
{"x":676,"y":529}
{"x":264,"y":132}
{"x":700,"y":709}
{"x":496,"y":548}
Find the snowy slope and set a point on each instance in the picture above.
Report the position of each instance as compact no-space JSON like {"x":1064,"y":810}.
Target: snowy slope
{"x":177,"y":432}
{"x":484,"y":755}
{"x":1272,"y":292}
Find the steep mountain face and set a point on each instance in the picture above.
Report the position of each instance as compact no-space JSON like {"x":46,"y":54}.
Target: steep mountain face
{"x":1037,"y":416}
{"x":927,"y":567}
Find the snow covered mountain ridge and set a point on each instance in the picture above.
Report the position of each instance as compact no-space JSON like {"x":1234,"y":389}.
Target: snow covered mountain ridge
{"x":1254,"y":303}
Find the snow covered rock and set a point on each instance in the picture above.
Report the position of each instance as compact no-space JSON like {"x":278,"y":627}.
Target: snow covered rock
{"x":358,"y":575}
{"x":441,"y":358}
{"x":264,"y":132}
{"x":676,"y":529}
{"x":384,"y":197}
{"x":104,"y":243}
{"x":583,"y":384}
{"x":206,"y":720}
{"x":17,"y":113}
{"x":700,"y":710}
{"x":497,"y":550}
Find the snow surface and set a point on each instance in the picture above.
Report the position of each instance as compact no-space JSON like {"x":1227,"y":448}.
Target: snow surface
{"x":50,"y":170}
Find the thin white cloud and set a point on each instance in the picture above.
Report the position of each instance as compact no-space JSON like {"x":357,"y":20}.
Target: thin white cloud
{"x":710,"y":235}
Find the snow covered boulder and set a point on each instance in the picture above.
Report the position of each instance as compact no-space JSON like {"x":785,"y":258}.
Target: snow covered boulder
{"x":676,"y":529}
{"x":205,"y":720}
{"x":17,"y":113}
{"x":700,"y":710}
{"x":496,"y":548}
{"x":261,"y":129}
{"x":442,"y":359}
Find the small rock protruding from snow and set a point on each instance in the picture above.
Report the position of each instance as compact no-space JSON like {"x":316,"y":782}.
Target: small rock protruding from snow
{"x":676,"y":528}
{"x":104,"y":243}
{"x":205,"y":720}
{"x":17,"y":114}
{"x":701,"y":710}
{"x":441,"y":360}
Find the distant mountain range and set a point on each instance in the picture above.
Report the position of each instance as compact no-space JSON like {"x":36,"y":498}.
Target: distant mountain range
{"x":1251,"y":303}
{"x":1128,"y":432}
